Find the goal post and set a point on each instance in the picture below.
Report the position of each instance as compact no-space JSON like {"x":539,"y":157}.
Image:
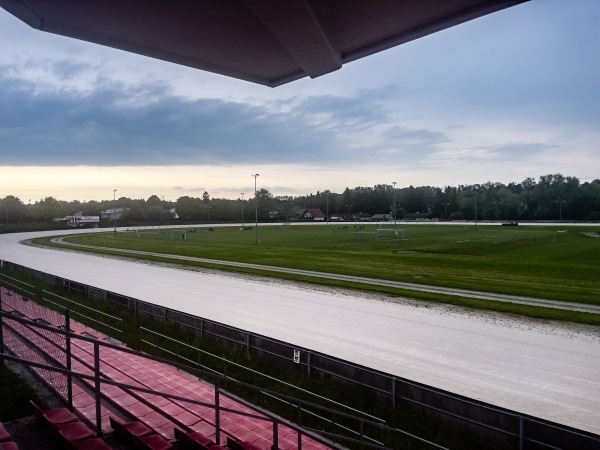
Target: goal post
{"x":389,"y":234}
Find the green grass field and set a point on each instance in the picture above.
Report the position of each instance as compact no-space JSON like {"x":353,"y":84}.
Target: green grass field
{"x":541,"y":262}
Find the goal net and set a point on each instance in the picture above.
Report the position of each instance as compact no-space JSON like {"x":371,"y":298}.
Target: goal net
{"x":389,"y":234}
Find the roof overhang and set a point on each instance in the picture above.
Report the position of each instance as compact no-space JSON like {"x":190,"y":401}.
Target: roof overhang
{"x":270,"y":42}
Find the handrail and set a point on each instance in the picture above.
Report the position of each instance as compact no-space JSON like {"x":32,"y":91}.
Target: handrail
{"x":262,"y":374}
{"x":95,"y":378}
{"x":16,"y":286}
{"x":83,"y":315}
{"x":83,"y":306}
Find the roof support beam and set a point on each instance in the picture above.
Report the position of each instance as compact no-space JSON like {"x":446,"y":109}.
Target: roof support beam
{"x":303,"y":29}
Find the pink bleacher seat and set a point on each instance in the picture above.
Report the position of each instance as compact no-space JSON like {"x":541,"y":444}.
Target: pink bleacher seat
{"x":4,"y":434}
{"x":193,"y":439}
{"x":53,"y":416}
{"x":10,"y":445}
{"x":151,"y":442}
{"x":74,"y":431}
{"x":129,"y":430}
{"x":88,"y":444}
{"x":207,"y":429}
{"x":233,"y":444}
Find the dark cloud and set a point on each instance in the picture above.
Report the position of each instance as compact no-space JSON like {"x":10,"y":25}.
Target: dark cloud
{"x":65,"y":70}
{"x":117,"y":124}
{"x":365,"y":108}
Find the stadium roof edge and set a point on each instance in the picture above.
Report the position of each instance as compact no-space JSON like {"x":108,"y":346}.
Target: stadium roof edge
{"x":268,"y":42}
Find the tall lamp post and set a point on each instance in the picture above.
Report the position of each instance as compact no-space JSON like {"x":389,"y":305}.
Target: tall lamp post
{"x":243,"y":224}
{"x":162,"y":205}
{"x":394,"y":210}
{"x":32,"y":211}
{"x":327,"y":200}
{"x":445,"y":210}
{"x":256,"y":175}
{"x":114,"y":208}
{"x":560,"y":209}
{"x":497,"y":203}
{"x":475,"y":208}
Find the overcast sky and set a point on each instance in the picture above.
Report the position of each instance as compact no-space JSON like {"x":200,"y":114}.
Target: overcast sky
{"x":512,"y":95}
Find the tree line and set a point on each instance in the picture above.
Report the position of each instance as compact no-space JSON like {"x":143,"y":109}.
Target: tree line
{"x":552,"y":197}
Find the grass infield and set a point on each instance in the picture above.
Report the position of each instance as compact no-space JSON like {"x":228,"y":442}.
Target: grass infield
{"x":543,"y":262}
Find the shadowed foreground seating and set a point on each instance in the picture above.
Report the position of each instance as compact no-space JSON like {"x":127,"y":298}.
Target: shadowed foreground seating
{"x":129,"y":430}
{"x":193,"y":439}
{"x":74,"y":431}
{"x":8,"y":446}
{"x":4,"y":435}
{"x":52,"y":417}
{"x":88,"y":444}
{"x":151,"y":442}
{"x":241,"y":445}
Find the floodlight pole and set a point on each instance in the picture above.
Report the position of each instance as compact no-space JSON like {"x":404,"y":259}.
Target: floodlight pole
{"x":560,"y":209}
{"x":243,"y":224}
{"x":394,"y":210}
{"x":497,"y":203}
{"x":256,"y":175}
{"x":32,"y":211}
{"x":327,"y":203}
{"x":445,"y":210}
{"x":160,"y":211}
{"x":115,"y":209}
{"x":475,"y":208}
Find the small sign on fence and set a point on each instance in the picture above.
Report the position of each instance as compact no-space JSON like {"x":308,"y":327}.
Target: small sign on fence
{"x":297,"y":356}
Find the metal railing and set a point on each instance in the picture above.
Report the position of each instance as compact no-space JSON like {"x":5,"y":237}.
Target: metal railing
{"x":352,"y":413}
{"x":97,"y":379}
{"x":78,"y":305}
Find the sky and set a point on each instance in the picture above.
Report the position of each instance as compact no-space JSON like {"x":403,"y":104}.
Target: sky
{"x":508,"y":96}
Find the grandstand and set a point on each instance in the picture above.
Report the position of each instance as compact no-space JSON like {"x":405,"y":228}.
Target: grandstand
{"x":106,"y":385}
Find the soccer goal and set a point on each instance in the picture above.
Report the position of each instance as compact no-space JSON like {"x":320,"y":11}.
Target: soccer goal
{"x":389,"y":234}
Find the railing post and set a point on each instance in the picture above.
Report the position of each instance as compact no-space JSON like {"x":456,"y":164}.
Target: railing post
{"x":362,"y":434}
{"x":275,"y":435}
{"x":308,"y":363}
{"x":217,"y":414}
{"x":394,"y":392}
{"x":97,"y":388}
{"x":1,"y":330}
{"x":68,"y":354}
{"x":521,"y":430}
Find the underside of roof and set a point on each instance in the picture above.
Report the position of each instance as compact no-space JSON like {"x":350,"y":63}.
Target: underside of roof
{"x":270,"y":42}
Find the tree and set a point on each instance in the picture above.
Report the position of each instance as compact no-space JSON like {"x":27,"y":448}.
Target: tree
{"x":188,"y":208}
{"x":266,"y":204}
{"x":13,"y":209}
{"x":47,"y":209}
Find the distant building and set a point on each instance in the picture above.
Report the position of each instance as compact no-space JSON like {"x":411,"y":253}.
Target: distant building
{"x":113,"y":214}
{"x":381,"y":217}
{"x":79,"y":220}
{"x":417,"y":216}
{"x":306,"y":214}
